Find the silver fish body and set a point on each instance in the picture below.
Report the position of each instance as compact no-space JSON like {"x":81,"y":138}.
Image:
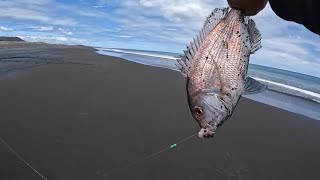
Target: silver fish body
{"x":216,"y":65}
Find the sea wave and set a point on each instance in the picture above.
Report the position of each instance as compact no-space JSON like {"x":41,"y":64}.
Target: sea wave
{"x":138,"y":53}
{"x":294,"y":90}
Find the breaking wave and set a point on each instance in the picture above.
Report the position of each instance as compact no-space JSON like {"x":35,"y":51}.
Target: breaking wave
{"x":291,"y":90}
{"x":137,"y":52}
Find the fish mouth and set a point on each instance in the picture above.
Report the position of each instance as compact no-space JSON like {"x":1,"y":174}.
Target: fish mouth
{"x":207,"y":130}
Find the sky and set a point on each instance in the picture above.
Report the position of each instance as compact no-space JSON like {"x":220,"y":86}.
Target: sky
{"x":158,"y":25}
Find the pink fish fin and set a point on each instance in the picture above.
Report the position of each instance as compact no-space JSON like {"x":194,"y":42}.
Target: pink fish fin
{"x":184,"y":62}
{"x":182,"y":66}
{"x":254,"y":36}
{"x":213,"y":19}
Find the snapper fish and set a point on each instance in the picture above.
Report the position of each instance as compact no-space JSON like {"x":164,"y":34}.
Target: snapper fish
{"x":216,"y":64}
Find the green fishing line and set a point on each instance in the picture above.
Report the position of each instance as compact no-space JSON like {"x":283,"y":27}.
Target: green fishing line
{"x":127,"y":165}
{"x":173,"y":145}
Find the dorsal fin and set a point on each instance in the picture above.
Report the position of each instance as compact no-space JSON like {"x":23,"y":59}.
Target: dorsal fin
{"x":212,"y":20}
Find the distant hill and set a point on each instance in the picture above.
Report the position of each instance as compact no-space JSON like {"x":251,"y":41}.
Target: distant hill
{"x":3,"y":38}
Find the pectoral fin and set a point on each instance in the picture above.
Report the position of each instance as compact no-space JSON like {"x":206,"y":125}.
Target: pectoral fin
{"x":252,"y":86}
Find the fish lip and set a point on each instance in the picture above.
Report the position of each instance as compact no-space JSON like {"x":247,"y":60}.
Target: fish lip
{"x":207,"y":131}
{"x":209,"y":125}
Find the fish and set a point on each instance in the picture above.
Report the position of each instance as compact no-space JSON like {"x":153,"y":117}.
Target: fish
{"x":215,"y":65}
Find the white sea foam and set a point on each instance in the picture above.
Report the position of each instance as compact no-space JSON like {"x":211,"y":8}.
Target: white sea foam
{"x":138,"y":53}
{"x":310,"y":93}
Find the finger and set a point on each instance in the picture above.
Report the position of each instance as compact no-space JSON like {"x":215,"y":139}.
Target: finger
{"x":238,"y":4}
{"x":255,"y":8}
{"x":249,"y":7}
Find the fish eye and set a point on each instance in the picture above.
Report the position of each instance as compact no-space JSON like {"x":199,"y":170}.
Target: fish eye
{"x":198,"y":110}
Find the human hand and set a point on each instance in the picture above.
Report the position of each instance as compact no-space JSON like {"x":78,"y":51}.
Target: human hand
{"x":249,"y":7}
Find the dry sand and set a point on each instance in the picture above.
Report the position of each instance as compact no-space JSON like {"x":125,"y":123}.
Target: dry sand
{"x":76,"y":115}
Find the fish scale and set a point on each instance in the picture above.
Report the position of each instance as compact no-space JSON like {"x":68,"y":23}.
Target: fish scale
{"x":218,"y":43}
{"x":207,"y":67}
{"x":215,"y":65}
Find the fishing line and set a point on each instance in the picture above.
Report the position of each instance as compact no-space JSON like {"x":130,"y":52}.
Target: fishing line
{"x":151,"y":155}
{"x":25,"y":162}
{"x":170,"y":147}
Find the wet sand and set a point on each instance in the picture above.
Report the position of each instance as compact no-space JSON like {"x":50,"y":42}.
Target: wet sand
{"x":77,"y":115}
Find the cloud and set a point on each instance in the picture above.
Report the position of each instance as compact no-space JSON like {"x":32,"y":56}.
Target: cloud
{"x":5,"y":29}
{"x":65,"y":31}
{"x":177,"y":10}
{"x":68,"y":33}
{"x":286,"y":45}
{"x":33,"y":15}
{"x":45,"y":11}
{"x":123,"y":36}
{"x":42,"y":28}
{"x":52,"y":39}
{"x":98,"y":6}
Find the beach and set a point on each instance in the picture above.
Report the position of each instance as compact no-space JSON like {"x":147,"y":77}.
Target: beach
{"x":74,"y":114}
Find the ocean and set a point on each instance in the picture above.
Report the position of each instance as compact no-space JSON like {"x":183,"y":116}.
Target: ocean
{"x":294,"y":92}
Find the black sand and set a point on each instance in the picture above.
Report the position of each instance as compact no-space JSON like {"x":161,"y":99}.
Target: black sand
{"x":76,"y":115}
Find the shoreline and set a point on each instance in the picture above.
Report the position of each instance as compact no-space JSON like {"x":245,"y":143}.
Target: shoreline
{"x":303,"y":98}
{"x":90,"y":113}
